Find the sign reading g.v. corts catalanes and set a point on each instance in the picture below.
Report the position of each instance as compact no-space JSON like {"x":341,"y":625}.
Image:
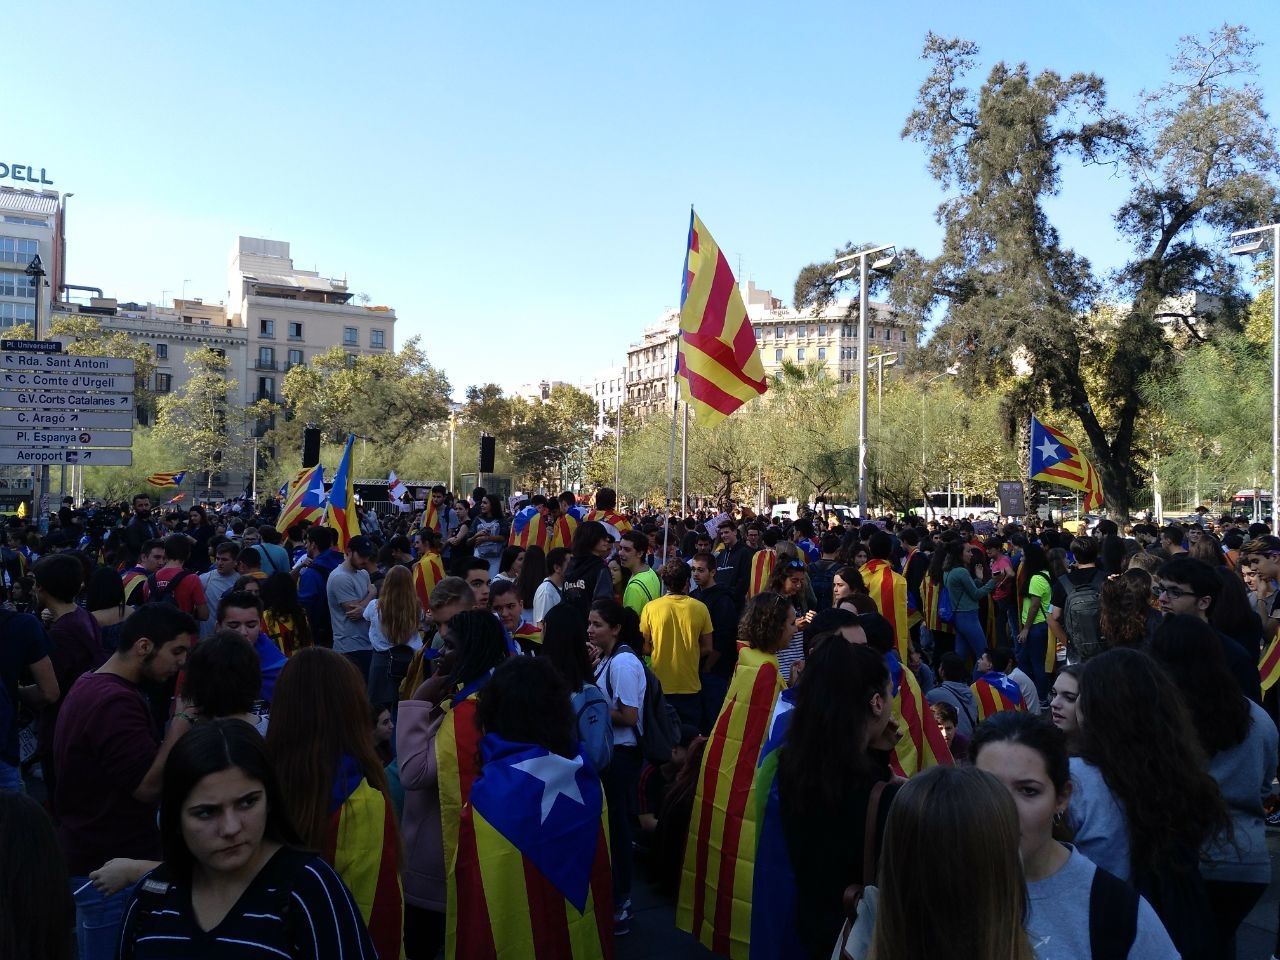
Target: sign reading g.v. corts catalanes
{"x":24,"y":173}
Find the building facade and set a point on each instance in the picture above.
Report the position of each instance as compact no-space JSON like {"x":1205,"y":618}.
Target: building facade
{"x":30,"y":226}
{"x":609,"y":390}
{"x":650,"y":384}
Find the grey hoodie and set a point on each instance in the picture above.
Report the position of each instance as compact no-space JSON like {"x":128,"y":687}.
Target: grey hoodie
{"x":960,"y":697}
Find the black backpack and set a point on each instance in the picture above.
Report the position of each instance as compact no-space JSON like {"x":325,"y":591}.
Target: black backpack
{"x":1081,"y":611}
{"x":1113,"y":917}
{"x":822,"y":577}
{"x":660,"y":722}
{"x":169,"y":593}
{"x":1181,"y":901}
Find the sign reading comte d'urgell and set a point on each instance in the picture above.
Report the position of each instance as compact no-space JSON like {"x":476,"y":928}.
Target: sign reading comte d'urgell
{"x":24,"y":173}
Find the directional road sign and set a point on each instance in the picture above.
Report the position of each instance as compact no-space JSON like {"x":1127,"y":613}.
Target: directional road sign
{"x":66,"y":363}
{"x":56,"y":380}
{"x":61,"y":437}
{"x":47,"y":346}
{"x":70,"y":419}
{"x":54,"y":457}
{"x":55,"y":400}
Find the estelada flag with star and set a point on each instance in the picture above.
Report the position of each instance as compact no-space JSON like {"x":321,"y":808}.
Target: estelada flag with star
{"x":1055,"y":459}
{"x":532,"y":876}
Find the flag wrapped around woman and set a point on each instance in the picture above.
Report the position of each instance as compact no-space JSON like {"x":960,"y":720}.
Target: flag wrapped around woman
{"x":922,"y":745}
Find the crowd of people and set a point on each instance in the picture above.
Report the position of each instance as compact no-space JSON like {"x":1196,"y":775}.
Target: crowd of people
{"x":475,"y":727}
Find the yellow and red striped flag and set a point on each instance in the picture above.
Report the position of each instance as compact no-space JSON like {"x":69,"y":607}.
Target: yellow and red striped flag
{"x":364,"y":847}
{"x":996,"y":692}
{"x":532,"y":877}
{"x":889,"y":591}
{"x":304,"y":499}
{"x":611,"y":518}
{"x":718,"y":363}
{"x":922,"y":745}
{"x":762,"y":563}
{"x":562,"y":532}
{"x":457,"y":764}
{"x":173,"y":479}
{"x":719,"y":857}
{"x":1055,"y":459}
{"x":340,"y":514}
{"x":427,"y":572}
{"x":1269,"y":666}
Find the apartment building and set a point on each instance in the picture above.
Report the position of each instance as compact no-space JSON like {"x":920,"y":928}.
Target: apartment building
{"x":30,"y":226}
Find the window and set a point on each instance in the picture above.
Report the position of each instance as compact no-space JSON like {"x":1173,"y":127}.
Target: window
{"x":756,"y":331}
{"x":777,"y":356}
{"x":351,"y":361}
{"x":295,"y":358}
{"x":164,"y":383}
{"x":266,"y":358}
{"x":822,"y":353}
{"x":350,"y":337}
{"x":16,"y":285}
{"x":377,"y":339}
{"x":162,"y":351}
{"x":266,"y":388}
{"x":28,"y":221}
{"x":803,"y":331}
{"x":295,"y":329}
{"x":778,"y":333}
{"x":800,"y":353}
{"x":266,"y":328}
{"x":822,"y":329}
{"x":17,"y":250}
{"x":11,"y":313}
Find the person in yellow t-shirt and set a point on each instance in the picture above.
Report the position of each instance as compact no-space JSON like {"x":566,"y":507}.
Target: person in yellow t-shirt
{"x":677,"y":635}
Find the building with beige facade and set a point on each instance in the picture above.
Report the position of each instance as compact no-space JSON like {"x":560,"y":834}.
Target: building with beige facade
{"x":30,"y":226}
{"x":608,"y":389}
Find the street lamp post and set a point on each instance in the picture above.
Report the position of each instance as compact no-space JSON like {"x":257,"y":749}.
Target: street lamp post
{"x":881,"y":360}
{"x":1254,"y":246}
{"x":862,"y":256}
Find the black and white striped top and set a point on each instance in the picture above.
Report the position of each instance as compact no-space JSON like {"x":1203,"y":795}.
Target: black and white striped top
{"x":296,"y":908}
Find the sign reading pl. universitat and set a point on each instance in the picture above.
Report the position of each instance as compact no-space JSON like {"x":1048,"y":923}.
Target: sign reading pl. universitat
{"x":24,"y":173}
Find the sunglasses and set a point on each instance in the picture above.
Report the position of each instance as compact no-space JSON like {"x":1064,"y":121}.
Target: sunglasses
{"x":793,"y":565}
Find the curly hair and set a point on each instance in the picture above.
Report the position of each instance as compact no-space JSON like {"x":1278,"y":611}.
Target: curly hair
{"x":1123,"y":607}
{"x":762,"y":621}
{"x":1136,"y":729}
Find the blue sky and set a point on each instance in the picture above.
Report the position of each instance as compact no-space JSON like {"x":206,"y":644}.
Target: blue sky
{"x":515,"y":179}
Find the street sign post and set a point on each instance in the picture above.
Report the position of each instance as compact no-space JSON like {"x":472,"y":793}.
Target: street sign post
{"x":71,"y":419}
{"x":59,"y":437}
{"x":49,"y":456}
{"x":59,"y":380}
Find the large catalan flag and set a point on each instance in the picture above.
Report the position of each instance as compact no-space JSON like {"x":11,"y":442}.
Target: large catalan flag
{"x":889,"y":591}
{"x":610,"y":518}
{"x":996,"y":692}
{"x":364,"y":848}
{"x":1054,"y":459}
{"x":762,"y":563}
{"x":1269,"y":665}
{"x":562,"y":531}
{"x":922,"y":744}
{"x":718,"y":363}
{"x":929,"y":595}
{"x":529,"y":529}
{"x":719,"y":858}
{"x":457,"y":754}
{"x":167,"y":479}
{"x":532,"y":877}
{"x":340,"y":514}
{"x":304,"y":499}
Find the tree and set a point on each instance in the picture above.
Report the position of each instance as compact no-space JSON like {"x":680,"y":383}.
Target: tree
{"x":812,"y":432}
{"x":88,"y":338}
{"x":1199,"y":154}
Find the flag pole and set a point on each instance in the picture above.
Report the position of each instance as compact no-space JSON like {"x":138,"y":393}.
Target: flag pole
{"x":671,"y":470}
{"x":684,"y":465}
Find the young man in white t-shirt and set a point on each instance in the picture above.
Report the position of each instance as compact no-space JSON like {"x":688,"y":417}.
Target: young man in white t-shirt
{"x":549,"y":591}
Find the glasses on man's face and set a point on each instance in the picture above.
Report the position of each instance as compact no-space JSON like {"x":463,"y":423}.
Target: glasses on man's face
{"x":1173,"y":593}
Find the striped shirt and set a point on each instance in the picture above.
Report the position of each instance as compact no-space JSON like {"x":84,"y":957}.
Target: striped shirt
{"x":295,"y":908}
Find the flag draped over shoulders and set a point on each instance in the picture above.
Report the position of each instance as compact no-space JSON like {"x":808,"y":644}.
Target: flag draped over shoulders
{"x":528,"y":529}
{"x":427,"y":572}
{"x":922,"y":744}
{"x":1269,"y":665}
{"x":889,"y":592}
{"x":762,"y":564}
{"x":610,"y":518}
{"x":929,"y":592}
{"x":533,"y":880}
{"x":363,"y":846}
{"x":457,"y":746}
{"x":995,"y":692}
{"x":562,"y":532}
{"x":716,"y":879}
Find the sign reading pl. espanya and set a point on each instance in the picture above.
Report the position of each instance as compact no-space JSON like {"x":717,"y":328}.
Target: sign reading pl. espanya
{"x":24,"y":173}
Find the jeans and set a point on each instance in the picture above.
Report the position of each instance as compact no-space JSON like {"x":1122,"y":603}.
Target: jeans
{"x":1004,"y":621}
{"x":971,"y":639}
{"x":621,"y":789}
{"x":1031,"y":657}
{"x":11,"y":778}
{"x":98,"y":919}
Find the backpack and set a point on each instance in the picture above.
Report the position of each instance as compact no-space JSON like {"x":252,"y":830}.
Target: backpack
{"x":169,"y":593}
{"x":822,"y":578}
{"x":1113,"y":917}
{"x":946,"y":611}
{"x":659,"y":729}
{"x":1080,"y":614}
{"x":591,"y":714}
{"x":1181,"y":901}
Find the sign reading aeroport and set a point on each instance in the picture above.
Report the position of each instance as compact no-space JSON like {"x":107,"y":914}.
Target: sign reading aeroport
{"x":23,"y":173}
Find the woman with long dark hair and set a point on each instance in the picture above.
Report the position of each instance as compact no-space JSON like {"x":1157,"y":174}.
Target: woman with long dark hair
{"x":966,"y":592}
{"x":1029,"y":756}
{"x":489,"y":531}
{"x":564,"y":644}
{"x":37,"y":912}
{"x":834,"y":753}
{"x":334,"y":786}
{"x":532,"y":572}
{"x":940,"y":631}
{"x":105,"y":603}
{"x":438,"y":746}
{"x":1142,"y":803}
{"x":1036,"y":590}
{"x":1241,"y":742}
{"x":234,"y":871}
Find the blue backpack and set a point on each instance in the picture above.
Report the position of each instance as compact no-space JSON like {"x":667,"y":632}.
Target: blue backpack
{"x":595,"y":729}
